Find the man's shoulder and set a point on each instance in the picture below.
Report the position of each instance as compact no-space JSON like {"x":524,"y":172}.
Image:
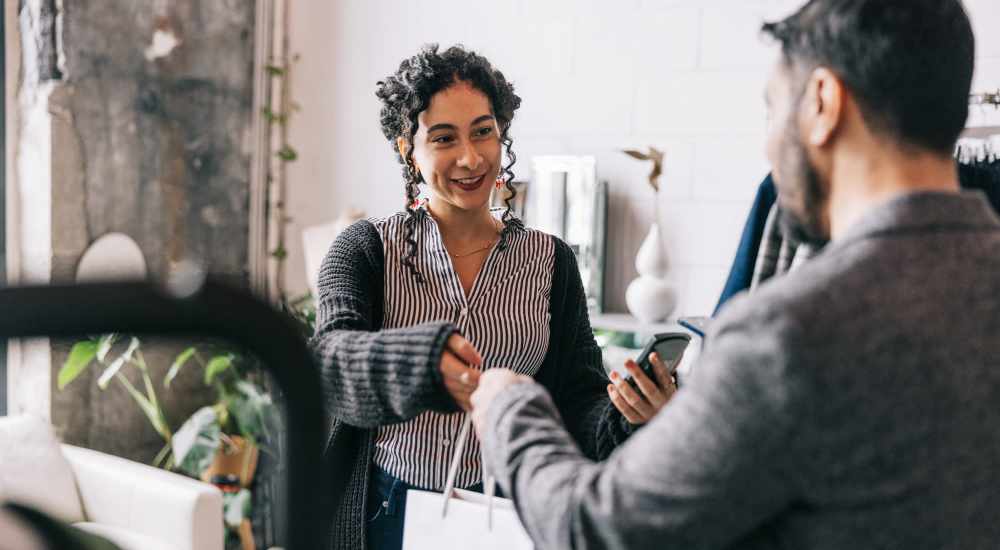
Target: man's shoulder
{"x":790,"y":295}
{"x":814,"y":303}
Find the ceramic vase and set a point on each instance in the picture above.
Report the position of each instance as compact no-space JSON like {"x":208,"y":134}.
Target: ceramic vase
{"x":650,"y":298}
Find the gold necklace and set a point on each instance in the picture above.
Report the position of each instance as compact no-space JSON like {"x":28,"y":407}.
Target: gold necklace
{"x":486,"y":246}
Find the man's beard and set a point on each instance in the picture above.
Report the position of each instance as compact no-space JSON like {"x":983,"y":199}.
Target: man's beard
{"x":800,"y":215}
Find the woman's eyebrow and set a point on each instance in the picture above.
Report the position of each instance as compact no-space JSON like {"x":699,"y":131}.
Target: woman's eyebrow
{"x":449,"y":126}
{"x":442,"y":126}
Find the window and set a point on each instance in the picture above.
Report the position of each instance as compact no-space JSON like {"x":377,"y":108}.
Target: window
{"x":3,"y":216}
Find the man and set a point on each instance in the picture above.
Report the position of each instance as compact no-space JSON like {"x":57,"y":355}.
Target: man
{"x":852,"y":403}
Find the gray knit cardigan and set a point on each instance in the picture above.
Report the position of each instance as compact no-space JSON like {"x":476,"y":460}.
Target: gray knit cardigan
{"x":373,"y":377}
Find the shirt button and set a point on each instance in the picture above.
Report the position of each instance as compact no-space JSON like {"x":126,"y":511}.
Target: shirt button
{"x":465,"y":311}
{"x":445,"y":442}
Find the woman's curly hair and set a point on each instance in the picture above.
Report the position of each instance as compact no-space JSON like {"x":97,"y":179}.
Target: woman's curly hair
{"x":408,"y":92}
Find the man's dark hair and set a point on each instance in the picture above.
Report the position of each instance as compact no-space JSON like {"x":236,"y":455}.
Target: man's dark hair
{"x":908,"y":63}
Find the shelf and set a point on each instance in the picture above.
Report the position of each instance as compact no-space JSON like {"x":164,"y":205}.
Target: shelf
{"x":623,"y":322}
{"x":614,"y":356}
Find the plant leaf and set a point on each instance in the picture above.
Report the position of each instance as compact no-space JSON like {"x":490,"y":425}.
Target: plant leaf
{"x":252,"y":410}
{"x":272,"y":116}
{"x":236,"y":507}
{"x":152,"y":412}
{"x":274,"y":70}
{"x":218,"y":365}
{"x":636,"y":154}
{"x":197,"y":441}
{"x":117,"y":365}
{"x":178,"y":363}
{"x":79,"y":359}
{"x":104,"y":345}
{"x":287,"y":154}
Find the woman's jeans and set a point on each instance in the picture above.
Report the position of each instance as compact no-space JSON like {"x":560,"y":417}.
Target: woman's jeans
{"x":386,"y":509}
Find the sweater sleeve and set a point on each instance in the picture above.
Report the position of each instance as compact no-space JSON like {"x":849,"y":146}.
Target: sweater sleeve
{"x":372,"y":377}
{"x":582,"y":398}
{"x":711,"y":470}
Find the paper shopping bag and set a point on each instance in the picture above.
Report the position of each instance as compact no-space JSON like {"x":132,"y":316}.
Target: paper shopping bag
{"x":466,"y":524}
{"x":460,"y":519}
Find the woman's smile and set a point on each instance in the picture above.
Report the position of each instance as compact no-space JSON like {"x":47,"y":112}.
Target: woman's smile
{"x":470,"y":183}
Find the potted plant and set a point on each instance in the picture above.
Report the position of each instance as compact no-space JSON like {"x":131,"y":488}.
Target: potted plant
{"x":220,"y":443}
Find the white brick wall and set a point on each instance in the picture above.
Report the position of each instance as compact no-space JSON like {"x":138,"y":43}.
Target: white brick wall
{"x":596,"y":76}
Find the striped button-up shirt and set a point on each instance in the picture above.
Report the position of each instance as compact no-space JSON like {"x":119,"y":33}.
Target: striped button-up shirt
{"x":505,"y":316}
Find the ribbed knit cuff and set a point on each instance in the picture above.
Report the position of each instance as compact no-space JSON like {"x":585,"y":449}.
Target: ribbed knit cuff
{"x":446,"y":403}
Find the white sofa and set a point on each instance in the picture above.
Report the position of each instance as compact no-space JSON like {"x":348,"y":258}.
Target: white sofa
{"x":131,"y":504}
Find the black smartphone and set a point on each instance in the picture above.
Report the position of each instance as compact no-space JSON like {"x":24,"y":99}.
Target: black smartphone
{"x":670,"y":347}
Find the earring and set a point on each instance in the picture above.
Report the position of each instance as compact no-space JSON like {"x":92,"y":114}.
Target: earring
{"x":499,"y":183}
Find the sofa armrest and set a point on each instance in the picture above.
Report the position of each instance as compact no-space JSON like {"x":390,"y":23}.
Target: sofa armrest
{"x":169,"y":507}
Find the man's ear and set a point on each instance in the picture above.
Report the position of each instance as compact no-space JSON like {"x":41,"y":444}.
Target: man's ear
{"x":822,"y":107}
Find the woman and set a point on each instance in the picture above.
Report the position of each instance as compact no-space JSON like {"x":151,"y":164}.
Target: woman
{"x":411,"y":308}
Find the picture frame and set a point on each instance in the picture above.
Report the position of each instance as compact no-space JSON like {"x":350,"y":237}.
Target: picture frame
{"x":565,"y":199}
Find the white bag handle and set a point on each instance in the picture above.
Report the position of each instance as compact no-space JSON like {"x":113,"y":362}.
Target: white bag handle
{"x":489,"y":482}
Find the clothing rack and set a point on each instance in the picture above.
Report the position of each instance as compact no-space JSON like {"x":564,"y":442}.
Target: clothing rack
{"x":985,"y":98}
{"x":981,"y":132}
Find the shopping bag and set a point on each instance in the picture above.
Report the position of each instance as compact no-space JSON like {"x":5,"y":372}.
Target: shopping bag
{"x":465,"y":526}
{"x":458,"y":519}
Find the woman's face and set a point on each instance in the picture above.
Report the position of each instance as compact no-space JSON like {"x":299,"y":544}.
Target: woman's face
{"x":457,"y":147}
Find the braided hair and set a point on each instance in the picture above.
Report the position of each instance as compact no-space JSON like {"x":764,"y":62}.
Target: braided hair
{"x":408,"y":92}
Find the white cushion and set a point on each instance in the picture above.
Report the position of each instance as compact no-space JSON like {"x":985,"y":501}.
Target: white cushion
{"x":124,"y":538}
{"x":33,"y":470}
{"x":182,"y":512}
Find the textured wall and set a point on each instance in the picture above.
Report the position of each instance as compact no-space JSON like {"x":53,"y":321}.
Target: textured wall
{"x":157,"y":107}
{"x":150,"y":116}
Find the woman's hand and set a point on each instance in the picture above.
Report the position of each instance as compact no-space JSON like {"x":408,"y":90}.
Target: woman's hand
{"x":636,"y":408}
{"x":459,"y":379}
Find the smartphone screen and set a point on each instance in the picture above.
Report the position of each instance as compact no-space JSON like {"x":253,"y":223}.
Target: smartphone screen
{"x":669,"y":346}
{"x":670,"y":352}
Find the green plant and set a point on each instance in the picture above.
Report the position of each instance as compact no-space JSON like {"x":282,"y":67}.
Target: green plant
{"x":302,"y":309}
{"x":277,"y":112}
{"x":241,"y":408}
{"x":84,"y":354}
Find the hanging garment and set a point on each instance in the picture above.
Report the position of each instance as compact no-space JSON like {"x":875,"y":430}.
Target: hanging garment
{"x":764,"y":252}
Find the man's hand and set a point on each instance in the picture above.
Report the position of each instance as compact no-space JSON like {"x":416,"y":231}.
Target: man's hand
{"x":491,"y":384}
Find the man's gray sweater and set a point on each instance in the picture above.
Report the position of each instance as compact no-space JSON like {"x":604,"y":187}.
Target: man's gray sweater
{"x":852,"y":404}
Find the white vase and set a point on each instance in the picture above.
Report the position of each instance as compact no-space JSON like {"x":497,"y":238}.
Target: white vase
{"x":650,"y":298}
